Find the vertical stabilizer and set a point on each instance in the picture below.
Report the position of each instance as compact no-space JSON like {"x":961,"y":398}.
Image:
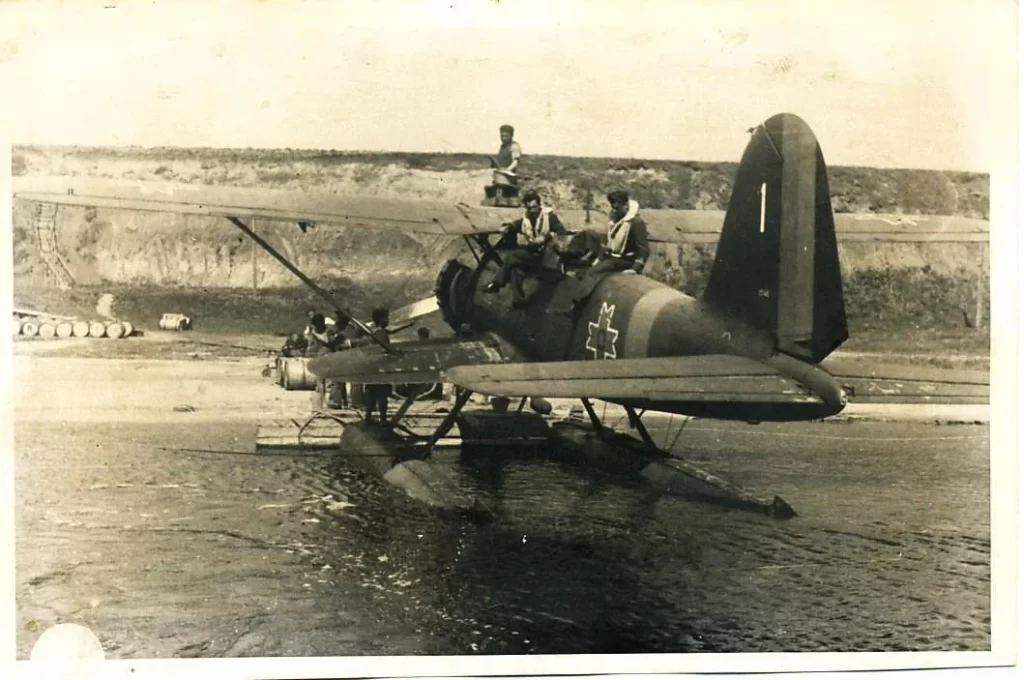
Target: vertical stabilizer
{"x":777,"y":263}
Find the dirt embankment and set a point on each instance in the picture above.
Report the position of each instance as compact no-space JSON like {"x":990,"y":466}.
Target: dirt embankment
{"x":888,"y":285}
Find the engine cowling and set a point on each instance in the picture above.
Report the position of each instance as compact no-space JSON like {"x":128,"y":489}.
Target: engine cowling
{"x":454,"y":291}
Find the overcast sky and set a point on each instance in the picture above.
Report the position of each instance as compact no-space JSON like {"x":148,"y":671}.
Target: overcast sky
{"x":893,"y":83}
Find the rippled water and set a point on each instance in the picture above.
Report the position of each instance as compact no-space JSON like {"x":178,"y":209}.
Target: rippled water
{"x":577,"y":562}
{"x":178,"y":541}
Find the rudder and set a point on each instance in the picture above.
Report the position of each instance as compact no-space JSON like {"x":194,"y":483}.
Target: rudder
{"x":777,"y":262}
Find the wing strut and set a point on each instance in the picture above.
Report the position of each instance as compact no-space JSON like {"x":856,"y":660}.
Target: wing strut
{"x":306,"y":280}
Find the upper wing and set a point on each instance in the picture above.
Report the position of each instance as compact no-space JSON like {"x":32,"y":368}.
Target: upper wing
{"x":429,"y":217}
{"x":422,"y":361}
{"x":869,"y":382}
{"x":705,"y":378}
{"x":437,"y":217}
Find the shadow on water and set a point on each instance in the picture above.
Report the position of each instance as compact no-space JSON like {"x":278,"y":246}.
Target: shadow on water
{"x":579,"y":561}
{"x":562,"y":568}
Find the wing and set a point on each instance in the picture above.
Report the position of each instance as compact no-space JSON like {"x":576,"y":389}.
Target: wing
{"x":435,"y":217}
{"x":428,"y":217}
{"x":706,"y":378}
{"x":415,"y":362}
{"x":869,"y":382}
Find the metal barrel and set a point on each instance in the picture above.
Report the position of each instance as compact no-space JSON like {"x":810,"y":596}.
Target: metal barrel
{"x":97,"y":329}
{"x":175,"y":322}
{"x":128,"y":328}
{"x":295,"y":375}
{"x":115,"y":330}
{"x":47,"y":329}
{"x":15,"y":325}
{"x":80,"y":329}
{"x":30,"y":328}
{"x":65,"y":329}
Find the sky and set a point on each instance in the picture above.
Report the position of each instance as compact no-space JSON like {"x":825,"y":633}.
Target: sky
{"x":887,"y":84}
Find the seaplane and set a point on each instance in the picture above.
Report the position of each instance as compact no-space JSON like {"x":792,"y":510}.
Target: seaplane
{"x":753,"y":347}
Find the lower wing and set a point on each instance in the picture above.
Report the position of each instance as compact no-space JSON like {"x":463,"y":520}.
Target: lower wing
{"x":869,"y":382}
{"x":707,"y":378}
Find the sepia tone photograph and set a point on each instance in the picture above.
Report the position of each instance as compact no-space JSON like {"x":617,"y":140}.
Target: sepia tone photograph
{"x":447,"y":338}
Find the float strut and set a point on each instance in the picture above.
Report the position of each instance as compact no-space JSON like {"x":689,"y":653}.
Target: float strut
{"x":594,"y":420}
{"x":638,"y":425}
{"x":462,"y":396}
{"x":402,"y":409}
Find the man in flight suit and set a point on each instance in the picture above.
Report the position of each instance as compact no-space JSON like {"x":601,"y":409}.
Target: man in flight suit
{"x":529,"y":238}
{"x":625,"y":248}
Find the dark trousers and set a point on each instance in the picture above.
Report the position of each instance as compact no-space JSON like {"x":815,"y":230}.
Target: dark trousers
{"x":337,"y":394}
{"x":514,"y":265}
{"x":377,"y":400}
{"x":608,"y":265}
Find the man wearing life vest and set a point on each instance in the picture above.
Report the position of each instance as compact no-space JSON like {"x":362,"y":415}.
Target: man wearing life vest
{"x":625,"y":248}
{"x":526,"y":242}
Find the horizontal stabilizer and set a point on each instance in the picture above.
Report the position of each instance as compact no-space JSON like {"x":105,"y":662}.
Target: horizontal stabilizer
{"x":867,"y":382}
{"x":414,"y":362}
{"x":708,"y":378}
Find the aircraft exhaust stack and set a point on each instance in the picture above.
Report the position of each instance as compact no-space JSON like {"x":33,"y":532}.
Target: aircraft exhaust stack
{"x":777,"y":263}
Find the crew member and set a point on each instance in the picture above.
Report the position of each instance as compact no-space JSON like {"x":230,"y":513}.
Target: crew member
{"x":377,"y":395}
{"x":506,"y":161}
{"x":625,"y":248}
{"x":320,"y":338}
{"x":294,"y":346}
{"x":310,"y":313}
{"x":529,"y":239}
{"x":323,"y":338}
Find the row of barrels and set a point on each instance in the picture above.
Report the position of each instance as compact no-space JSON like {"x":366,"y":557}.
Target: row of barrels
{"x":50,"y":328}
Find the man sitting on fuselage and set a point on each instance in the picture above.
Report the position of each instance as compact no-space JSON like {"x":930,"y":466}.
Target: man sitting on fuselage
{"x":626,"y":247}
{"x":529,"y":238}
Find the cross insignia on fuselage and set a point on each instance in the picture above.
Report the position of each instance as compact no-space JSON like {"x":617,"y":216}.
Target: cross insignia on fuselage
{"x":602,"y":337}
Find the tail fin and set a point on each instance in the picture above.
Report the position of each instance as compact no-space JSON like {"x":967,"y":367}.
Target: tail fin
{"x":777,"y":264}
